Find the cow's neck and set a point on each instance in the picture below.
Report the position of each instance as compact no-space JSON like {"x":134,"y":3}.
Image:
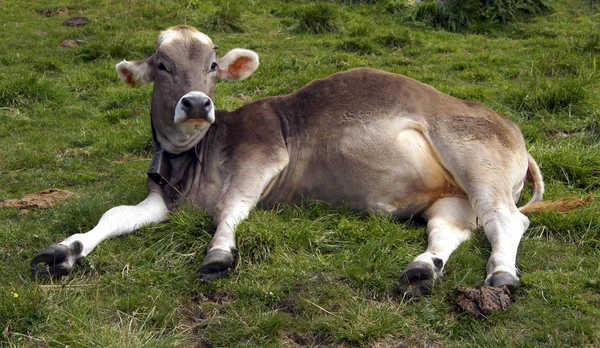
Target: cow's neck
{"x":181,"y":173}
{"x":164,"y":159}
{"x":171,"y":168}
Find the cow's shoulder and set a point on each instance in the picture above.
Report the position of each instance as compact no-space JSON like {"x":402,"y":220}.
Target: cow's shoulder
{"x":252,"y":126}
{"x":252,"y":114}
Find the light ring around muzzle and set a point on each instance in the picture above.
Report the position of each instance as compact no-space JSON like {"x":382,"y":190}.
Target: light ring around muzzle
{"x":182,"y":116}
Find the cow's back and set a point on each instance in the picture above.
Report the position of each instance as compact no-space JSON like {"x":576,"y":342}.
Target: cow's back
{"x":358,"y":95}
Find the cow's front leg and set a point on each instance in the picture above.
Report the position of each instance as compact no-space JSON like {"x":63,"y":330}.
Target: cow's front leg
{"x":245,"y":186}
{"x":58,"y":259}
{"x":221,"y":251}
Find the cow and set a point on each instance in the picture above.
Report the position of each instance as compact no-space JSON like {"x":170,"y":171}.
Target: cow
{"x":370,"y":140}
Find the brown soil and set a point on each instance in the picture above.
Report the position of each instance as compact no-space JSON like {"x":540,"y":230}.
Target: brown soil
{"x":52,"y":11}
{"x":71,"y":43}
{"x":482,"y":301}
{"x":76,"y":22}
{"x":43,"y":200}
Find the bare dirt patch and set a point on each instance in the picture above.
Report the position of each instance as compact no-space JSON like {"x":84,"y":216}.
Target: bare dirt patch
{"x":287,"y":306}
{"x":417,"y":339}
{"x":14,"y":114}
{"x":307,"y":339}
{"x":76,"y":22}
{"x":52,"y":11}
{"x":81,"y":152}
{"x":45,"y":199}
{"x":483,"y":300}
{"x":219,"y":297}
{"x":71,"y":43}
{"x":194,"y":323}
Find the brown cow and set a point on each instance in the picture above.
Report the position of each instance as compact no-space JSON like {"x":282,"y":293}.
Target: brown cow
{"x":369,"y":139}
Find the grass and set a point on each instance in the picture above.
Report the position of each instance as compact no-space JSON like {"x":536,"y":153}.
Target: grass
{"x":309,"y":275}
{"x":477,"y":15}
{"x":318,"y":18}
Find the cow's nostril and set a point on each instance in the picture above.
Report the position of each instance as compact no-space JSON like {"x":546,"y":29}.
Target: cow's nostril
{"x":185,"y":102}
{"x":207,"y":104}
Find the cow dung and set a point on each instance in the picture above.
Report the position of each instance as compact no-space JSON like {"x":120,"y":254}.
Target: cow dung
{"x":43,"y":200}
{"x":483,"y":300}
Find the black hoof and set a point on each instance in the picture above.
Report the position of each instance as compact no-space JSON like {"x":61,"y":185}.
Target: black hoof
{"x":416,"y":279}
{"x":499,"y":279}
{"x":55,"y":261}
{"x":216,"y":265}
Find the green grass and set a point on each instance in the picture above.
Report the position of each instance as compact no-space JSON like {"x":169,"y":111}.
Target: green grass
{"x":307,"y":275}
{"x":318,"y":18}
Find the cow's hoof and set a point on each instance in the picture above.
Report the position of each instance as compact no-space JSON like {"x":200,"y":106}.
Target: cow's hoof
{"x":499,"y":279}
{"x":217,"y":264}
{"x":56,"y":260}
{"x":416,"y":279}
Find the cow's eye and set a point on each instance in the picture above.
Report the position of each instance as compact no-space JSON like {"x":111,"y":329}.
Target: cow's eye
{"x":162,"y":67}
{"x":214,"y":66}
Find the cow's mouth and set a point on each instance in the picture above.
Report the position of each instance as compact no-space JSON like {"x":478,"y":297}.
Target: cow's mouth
{"x":194,"y":121}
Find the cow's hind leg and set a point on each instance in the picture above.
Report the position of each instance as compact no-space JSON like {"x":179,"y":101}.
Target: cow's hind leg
{"x":450,"y":221}
{"x":58,"y":259}
{"x":504,"y":226}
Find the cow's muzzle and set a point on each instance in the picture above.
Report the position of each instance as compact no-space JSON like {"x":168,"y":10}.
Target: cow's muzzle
{"x":195,"y":107}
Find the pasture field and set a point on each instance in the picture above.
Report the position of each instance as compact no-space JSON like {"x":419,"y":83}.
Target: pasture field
{"x":310,"y":275}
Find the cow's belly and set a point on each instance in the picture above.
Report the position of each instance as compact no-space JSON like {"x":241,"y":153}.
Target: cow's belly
{"x":389,"y":168}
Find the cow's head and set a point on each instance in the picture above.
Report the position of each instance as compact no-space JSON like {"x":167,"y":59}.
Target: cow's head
{"x":184,"y":69}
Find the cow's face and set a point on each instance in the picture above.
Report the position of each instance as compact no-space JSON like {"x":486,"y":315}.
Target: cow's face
{"x":184,"y":69}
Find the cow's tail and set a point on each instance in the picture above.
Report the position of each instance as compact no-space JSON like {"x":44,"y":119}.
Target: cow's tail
{"x":536,"y":204}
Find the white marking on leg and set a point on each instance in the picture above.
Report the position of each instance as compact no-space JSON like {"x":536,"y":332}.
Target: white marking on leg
{"x":224,"y":237}
{"x":242,"y":193}
{"x":121,"y":220}
{"x":504,"y":228}
{"x":451,"y":221}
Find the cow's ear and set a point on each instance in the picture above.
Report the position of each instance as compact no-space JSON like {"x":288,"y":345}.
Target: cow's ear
{"x":237,"y":64}
{"x":136,"y":73}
